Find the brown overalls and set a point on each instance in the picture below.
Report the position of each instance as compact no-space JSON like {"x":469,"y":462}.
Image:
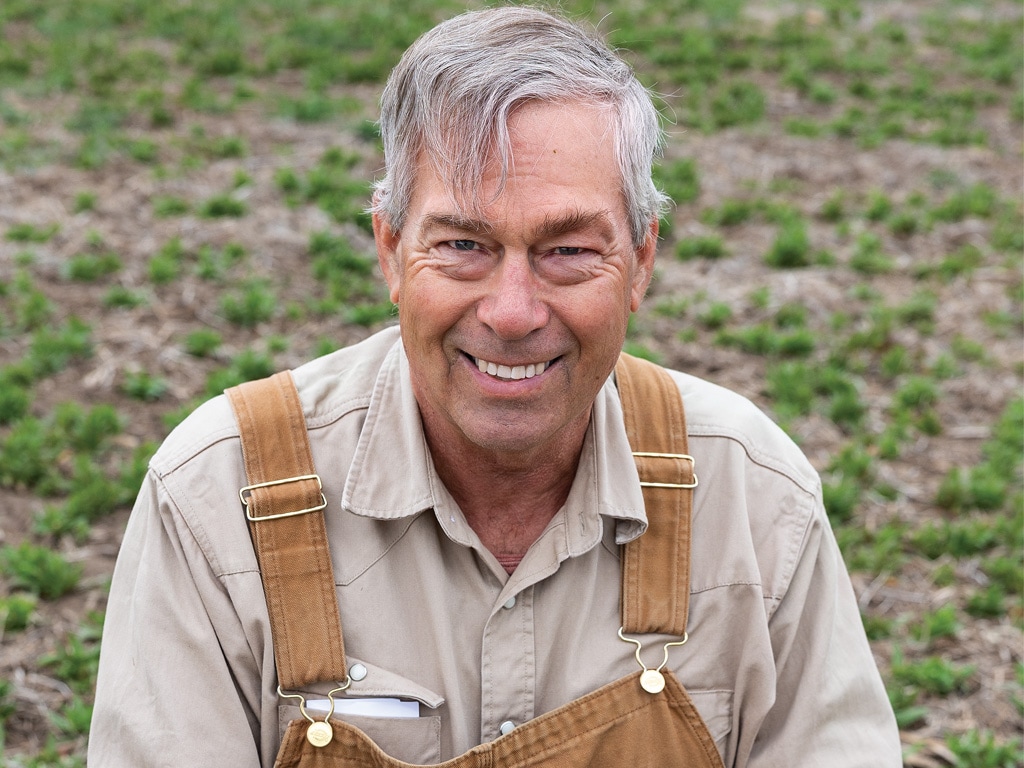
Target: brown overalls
{"x":641,"y":721}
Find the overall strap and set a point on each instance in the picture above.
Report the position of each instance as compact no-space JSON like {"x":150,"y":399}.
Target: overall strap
{"x":284,"y":504}
{"x":656,"y":566}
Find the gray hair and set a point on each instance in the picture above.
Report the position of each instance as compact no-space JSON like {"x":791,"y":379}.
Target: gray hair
{"x":450,"y":98}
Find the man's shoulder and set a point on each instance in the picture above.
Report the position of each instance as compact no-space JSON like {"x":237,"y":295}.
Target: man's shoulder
{"x":328,"y":387}
{"x":715,"y":413}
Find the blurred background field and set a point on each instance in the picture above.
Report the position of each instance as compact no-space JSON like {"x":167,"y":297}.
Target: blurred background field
{"x":182,"y":188}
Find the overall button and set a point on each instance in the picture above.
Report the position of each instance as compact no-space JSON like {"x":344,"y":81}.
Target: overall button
{"x":510,"y":603}
{"x":357,"y":673}
{"x":506,"y":727}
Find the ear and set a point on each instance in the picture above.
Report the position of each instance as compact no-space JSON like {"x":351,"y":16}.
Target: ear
{"x":387,"y":241}
{"x":644,"y":266}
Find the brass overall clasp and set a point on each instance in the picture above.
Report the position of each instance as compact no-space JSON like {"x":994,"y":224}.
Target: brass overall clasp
{"x":651,"y":680}
{"x":319,"y":733}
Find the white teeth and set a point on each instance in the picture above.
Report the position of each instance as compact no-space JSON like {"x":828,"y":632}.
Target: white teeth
{"x":511,"y":372}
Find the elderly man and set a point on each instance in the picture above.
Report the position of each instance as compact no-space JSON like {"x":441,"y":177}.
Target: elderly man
{"x":459,"y":499}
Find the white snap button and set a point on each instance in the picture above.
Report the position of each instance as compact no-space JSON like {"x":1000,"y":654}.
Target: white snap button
{"x":506,"y":727}
{"x":510,"y":603}
{"x":358,"y":672}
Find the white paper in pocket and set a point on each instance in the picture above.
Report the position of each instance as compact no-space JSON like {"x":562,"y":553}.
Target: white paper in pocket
{"x":377,"y":707}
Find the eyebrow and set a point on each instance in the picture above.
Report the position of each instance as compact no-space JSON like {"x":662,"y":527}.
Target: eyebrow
{"x":574,"y":221}
{"x":456,"y":221}
{"x":551,"y":226}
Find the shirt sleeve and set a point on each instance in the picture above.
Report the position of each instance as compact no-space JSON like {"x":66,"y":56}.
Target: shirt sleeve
{"x":168,"y":693}
{"x":831,"y":709}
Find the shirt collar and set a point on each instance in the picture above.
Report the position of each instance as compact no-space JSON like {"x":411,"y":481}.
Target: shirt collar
{"x":393,"y":476}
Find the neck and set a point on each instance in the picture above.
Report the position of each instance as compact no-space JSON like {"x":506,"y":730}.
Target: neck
{"x":508,"y":500}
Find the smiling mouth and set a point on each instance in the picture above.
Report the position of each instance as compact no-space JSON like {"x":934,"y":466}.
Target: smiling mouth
{"x":510,"y":372}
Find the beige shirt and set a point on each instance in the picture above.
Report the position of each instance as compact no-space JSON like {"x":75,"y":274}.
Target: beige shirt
{"x":777,"y":662}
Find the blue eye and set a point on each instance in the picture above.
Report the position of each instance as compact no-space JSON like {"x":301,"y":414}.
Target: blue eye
{"x":463,"y":245}
{"x":568,"y":251}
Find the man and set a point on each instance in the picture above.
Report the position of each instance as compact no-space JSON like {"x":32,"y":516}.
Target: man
{"x":480,"y":485}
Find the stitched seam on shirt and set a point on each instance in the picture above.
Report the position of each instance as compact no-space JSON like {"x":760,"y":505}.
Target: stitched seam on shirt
{"x":338,"y":412}
{"x":165,"y":465}
{"x":796,"y":548}
{"x":199,"y":536}
{"x":409,"y":522}
{"x":184,"y":455}
{"x":765,"y":595}
{"x":761,"y":459}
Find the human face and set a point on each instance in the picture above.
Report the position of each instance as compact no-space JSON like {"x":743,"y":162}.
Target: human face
{"x":513,"y":316}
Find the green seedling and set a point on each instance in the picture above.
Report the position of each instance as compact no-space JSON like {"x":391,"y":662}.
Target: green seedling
{"x":868,"y":257}
{"x":988,"y":603}
{"x":86,"y":430}
{"x":29,"y":233}
{"x":737,"y":103}
{"x":90,"y":267}
{"x":28,"y":456}
{"x":15,"y":399}
{"x":245,"y":366}
{"x":142,"y":385}
{"x":716,"y":315}
{"x":222,"y":206}
{"x":76,"y":661}
{"x":165,"y":206}
{"x":978,"y":201}
{"x":763,"y":339}
{"x":370,"y":314}
{"x":792,"y":246}
{"x":74,"y":718}
{"x":980,"y":749}
{"x":38,"y":570}
{"x":706,"y":247}
{"x":202,"y":342}
{"x":672,"y":307}
{"x":16,"y":613}
{"x":903,"y":699}
{"x":933,"y":675}
{"x":253,"y":303}
{"x":166,"y":264}
{"x":120,"y":297}
{"x":919,"y":312}
{"x":84,"y":201}
{"x":942,"y":622}
{"x":680,"y":180}
{"x":961,"y":538}
{"x":731,"y":213}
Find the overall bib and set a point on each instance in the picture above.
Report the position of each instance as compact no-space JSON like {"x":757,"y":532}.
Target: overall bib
{"x":642,"y":720}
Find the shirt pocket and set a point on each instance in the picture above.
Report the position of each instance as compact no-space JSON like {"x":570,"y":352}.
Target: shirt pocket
{"x":409,"y":739}
{"x":715,"y":708}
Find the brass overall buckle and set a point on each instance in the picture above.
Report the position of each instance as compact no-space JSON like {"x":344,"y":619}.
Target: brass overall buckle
{"x":651,"y":680}
{"x":680,"y":456}
{"x":246,"y":492}
{"x":319,"y":733}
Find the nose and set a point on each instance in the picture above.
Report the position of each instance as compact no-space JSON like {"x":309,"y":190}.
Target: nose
{"x":513,"y":307}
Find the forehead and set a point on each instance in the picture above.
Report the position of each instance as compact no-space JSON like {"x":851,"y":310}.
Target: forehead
{"x":559,"y":148}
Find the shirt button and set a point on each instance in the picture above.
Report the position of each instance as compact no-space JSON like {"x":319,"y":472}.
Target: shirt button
{"x":510,"y":603}
{"x":357,"y":673}
{"x":506,"y":727}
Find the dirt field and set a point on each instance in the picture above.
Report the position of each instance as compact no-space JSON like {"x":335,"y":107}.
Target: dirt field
{"x":977,"y":310}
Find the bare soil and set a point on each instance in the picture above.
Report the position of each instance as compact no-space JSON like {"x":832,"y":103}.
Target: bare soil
{"x":731,"y":163}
